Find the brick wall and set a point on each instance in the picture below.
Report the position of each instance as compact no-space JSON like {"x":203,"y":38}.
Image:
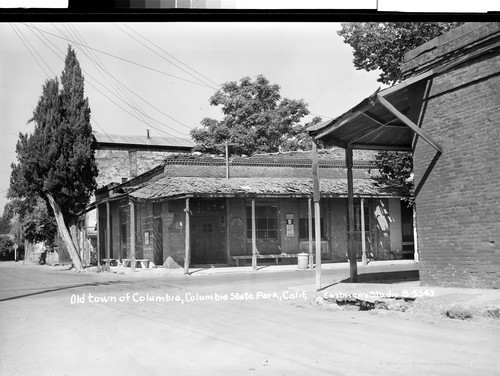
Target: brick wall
{"x":194,"y":169}
{"x":458,"y":208}
{"x":117,"y":164}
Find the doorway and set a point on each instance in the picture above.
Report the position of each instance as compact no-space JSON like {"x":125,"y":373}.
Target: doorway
{"x":158,"y":241}
{"x":207,"y":240}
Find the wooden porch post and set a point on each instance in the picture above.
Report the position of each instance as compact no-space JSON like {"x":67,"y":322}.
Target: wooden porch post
{"x":350,"y":206}
{"x":416,"y":256}
{"x":254,"y":238}
{"x":85,"y":245}
{"x":98,"y":236}
{"x":228,"y":246}
{"x":363,"y":239}
{"x":187,"y":228}
{"x":132,"y":236}
{"x":309,"y":227}
{"x":317,"y":214}
{"x":108,"y":234}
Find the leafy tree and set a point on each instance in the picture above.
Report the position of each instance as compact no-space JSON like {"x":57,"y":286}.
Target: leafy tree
{"x":34,"y":217}
{"x":56,"y":162}
{"x":4,"y":224}
{"x":6,"y":250}
{"x":299,"y":139}
{"x":256,"y":118}
{"x":397,"y":167}
{"x":382,"y":45}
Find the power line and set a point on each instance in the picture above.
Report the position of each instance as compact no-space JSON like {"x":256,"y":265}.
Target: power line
{"x":97,"y":81}
{"x":123,"y":59}
{"x":119,"y":85}
{"x":34,"y":58}
{"x":173,"y":57}
{"x":164,"y":58}
{"x":104,"y":73}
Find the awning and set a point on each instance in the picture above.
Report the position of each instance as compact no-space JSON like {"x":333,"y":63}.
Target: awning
{"x":386,"y":120}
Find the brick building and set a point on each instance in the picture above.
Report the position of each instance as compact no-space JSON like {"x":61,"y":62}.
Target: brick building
{"x":121,"y":158}
{"x":279,"y":187}
{"x":447,"y":111}
{"x":459,"y":204}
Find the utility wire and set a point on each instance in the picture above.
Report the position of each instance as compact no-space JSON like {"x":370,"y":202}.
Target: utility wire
{"x":173,"y":57}
{"x":119,"y":85}
{"x":164,"y":58}
{"x":100,"y":66}
{"x":33,"y":56}
{"x":130,"y":113}
{"x":104,"y":73}
{"x":123,"y":59}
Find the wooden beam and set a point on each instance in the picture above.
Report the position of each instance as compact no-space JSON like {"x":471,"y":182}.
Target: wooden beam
{"x":380,"y":147}
{"x":317,"y":218}
{"x":132,"y":236}
{"x":409,"y":123}
{"x":98,"y":236}
{"x":350,"y":214}
{"x":187,"y":229}
{"x":228,"y":247}
{"x":363,"y":235}
{"x":406,"y":83}
{"x":108,"y":234}
{"x":309,"y":227}
{"x":416,"y":256}
{"x":254,"y":238}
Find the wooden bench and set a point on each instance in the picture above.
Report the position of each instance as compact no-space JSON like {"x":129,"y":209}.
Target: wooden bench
{"x":401,"y":254}
{"x":276,"y":257}
{"x":143,"y":263}
{"x":111,"y":262}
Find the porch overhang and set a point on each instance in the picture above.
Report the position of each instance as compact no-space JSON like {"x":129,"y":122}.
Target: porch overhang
{"x":389,"y":119}
{"x":385,"y":120}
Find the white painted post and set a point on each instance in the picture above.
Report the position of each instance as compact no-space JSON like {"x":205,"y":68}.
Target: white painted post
{"x":187,"y":228}
{"x":254,"y":238}
{"x":317,"y":218}
{"x":363,"y":235}
{"x":350,"y":207}
{"x":132,"y":236}
{"x":309,"y":227}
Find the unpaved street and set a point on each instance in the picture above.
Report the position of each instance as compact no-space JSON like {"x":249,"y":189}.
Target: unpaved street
{"x":63,"y":323}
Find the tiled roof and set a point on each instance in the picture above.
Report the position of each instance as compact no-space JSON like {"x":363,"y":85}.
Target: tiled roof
{"x":152,"y":141}
{"x":171,"y":187}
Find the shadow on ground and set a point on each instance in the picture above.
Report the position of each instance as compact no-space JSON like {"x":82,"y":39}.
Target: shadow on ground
{"x":386,"y":277}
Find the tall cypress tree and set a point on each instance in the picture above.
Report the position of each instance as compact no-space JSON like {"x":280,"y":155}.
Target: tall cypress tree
{"x":56,"y":161}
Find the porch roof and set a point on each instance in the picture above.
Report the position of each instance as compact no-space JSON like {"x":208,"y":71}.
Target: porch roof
{"x":380,"y":121}
{"x":179,"y":187}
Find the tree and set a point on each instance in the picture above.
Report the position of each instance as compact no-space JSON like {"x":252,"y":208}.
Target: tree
{"x":4,"y":224}
{"x":382,"y":45}
{"x":397,"y":167}
{"x":33,"y":216}
{"x":256,"y":118}
{"x":56,"y":162}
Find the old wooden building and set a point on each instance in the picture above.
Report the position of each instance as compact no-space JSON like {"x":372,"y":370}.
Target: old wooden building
{"x":215,"y":212}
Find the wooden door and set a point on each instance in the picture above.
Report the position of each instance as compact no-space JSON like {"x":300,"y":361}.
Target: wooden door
{"x":158,"y":241}
{"x":207,"y":245}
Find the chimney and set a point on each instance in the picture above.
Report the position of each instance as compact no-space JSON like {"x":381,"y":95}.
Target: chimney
{"x":147,"y":131}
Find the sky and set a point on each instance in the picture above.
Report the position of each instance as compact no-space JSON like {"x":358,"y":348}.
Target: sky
{"x":160,"y":76}
{"x":169,"y":71}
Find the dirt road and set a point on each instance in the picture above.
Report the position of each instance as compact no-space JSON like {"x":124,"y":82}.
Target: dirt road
{"x":69,"y":324}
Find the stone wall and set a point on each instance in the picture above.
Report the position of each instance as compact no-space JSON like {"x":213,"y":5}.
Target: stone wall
{"x":117,"y":165}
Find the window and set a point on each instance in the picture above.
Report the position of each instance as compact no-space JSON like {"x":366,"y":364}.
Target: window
{"x":357,"y":216}
{"x":266,"y":222}
{"x":304,"y":228}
